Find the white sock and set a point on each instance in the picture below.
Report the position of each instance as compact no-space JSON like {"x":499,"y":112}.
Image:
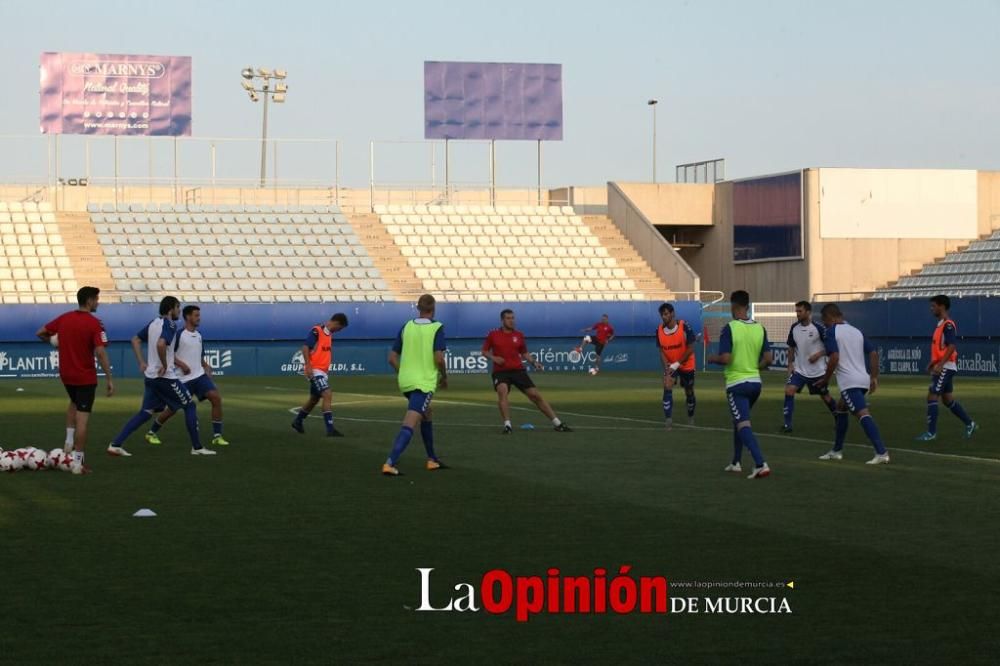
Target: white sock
{"x":556,"y":422}
{"x":506,"y":424}
{"x":78,"y":457}
{"x":70,"y":434}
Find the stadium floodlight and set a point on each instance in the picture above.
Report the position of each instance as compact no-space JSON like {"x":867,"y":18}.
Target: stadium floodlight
{"x":275,"y":93}
{"x":652,"y":103}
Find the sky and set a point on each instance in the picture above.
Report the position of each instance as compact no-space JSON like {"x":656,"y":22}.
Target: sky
{"x":769,"y":86}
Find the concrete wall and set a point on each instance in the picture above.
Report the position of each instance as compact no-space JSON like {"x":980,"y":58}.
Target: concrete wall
{"x":672,"y":204}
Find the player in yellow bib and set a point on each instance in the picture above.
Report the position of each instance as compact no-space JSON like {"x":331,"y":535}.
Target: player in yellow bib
{"x":418,"y":358}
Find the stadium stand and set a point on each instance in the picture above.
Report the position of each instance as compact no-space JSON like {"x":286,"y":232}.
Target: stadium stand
{"x":521,"y":253}
{"x":235,"y":253}
{"x":973,"y":271}
{"x":34,"y":266}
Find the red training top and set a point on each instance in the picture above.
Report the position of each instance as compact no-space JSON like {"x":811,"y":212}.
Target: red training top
{"x":603,"y":332}
{"x":507,"y":344}
{"x":80,"y":333}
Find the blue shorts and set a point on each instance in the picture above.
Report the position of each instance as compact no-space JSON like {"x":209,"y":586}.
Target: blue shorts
{"x":942,"y":383}
{"x":318,"y":385}
{"x":854,"y":398}
{"x":798,"y":381}
{"x":741,"y":400}
{"x":201,"y":387}
{"x":162,"y":393}
{"x":418,"y":401}
{"x":684,"y":379}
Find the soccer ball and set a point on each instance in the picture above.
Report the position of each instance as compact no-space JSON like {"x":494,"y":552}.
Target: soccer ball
{"x":36,"y":459}
{"x":7,"y":462}
{"x":587,"y":339}
{"x":65,"y":462}
{"x":54,"y":340}
{"x":592,"y":371}
{"x":19,"y":457}
{"x":55,"y":457}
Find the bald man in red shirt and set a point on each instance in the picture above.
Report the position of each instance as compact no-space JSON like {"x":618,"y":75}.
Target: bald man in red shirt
{"x":505,"y":346}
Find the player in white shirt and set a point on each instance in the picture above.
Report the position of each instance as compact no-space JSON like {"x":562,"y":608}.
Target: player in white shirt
{"x":855,"y":362}
{"x":806,"y":362}
{"x":163,"y":388}
{"x":196,"y":374}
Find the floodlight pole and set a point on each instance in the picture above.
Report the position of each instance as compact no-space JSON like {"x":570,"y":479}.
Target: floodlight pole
{"x":653,"y":104}
{"x":539,"y":172}
{"x":493,"y":173}
{"x":263,"y":139}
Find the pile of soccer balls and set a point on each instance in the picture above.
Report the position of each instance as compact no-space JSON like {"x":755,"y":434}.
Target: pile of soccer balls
{"x":33,"y":459}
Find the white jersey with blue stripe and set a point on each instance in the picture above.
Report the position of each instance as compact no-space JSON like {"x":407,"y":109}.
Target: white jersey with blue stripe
{"x":807,"y":340}
{"x":160,"y":328}
{"x":190,"y":351}
{"x":853,"y":349}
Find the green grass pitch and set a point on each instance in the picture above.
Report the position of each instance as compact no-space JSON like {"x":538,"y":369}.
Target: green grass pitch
{"x":294,"y":549}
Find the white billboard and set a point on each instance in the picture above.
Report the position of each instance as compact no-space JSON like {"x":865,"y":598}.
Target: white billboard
{"x":897,"y":203}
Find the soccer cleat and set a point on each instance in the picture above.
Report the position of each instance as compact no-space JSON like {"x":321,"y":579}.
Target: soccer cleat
{"x":389,"y":470}
{"x":334,"y":433}
{"x":118,"y":451}
{"x":298,"y":427}
{"x":971,"y":428}
{"x":832,"y":455}
{"x":507,"y":430}
{"x":219,"y":440}
{"x":926,"y":437}
{"x":562,"y":427}
{"x":733,"y":467}
{"x":879,"y":459}
{"x":79,"y":469}
{"x":669,"y":424}
{"x":786,"y":429}
{"x":760,"y":472}
{"x":203,"y":452}
{"x":435,"y":464}
{"x":153,"y":438}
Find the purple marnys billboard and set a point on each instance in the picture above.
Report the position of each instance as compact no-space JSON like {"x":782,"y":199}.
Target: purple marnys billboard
{"x":493,"y":100}
{"x":96,"y":93}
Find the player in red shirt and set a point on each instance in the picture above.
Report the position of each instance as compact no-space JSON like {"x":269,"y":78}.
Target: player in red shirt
{"x":604,"y":333}
{"x":506,"y":348}
{"x":81,"y":336}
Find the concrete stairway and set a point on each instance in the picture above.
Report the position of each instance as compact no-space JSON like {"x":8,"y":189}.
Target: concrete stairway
{"x":627,"y":257}
{"x":400,"y":278}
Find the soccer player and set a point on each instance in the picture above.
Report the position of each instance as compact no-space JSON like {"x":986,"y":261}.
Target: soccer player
{"x":675,"y":339}
{"x":196,"y":374}
{"x":317,"y":350}
{"x":417,"y":356}
{"x":855,"y":362}
{"x":81,"y":336}
{"x":942,"y":369}
{"x":743,"y":350}
{"x":163,"y":388}
{"x":806,"y":362}
{"x":505,"y":346}
{"x":604,"y":333}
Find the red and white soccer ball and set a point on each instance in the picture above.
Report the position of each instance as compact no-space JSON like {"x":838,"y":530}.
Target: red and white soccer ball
{"x":19,"y":459}
{"x":55,"y":456}
{"x":7,"y":461}
{"x":36,"y":459}
{"x":65,"y":462}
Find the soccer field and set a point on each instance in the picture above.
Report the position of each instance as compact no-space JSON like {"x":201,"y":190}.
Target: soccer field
{"x":288,"y":548}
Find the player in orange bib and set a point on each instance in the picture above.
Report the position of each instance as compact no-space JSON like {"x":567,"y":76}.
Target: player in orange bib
{"x":942,"y":368}
{"x":676,"y":339}
{"x":317,"y":355}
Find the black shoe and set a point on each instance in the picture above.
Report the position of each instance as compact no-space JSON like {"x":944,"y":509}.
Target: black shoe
{"x":297,"y":427}
{"x":786,"y":429}
{"x":507,"y":430}
{"x":334,"y":433}
{"x":562,"y":427}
